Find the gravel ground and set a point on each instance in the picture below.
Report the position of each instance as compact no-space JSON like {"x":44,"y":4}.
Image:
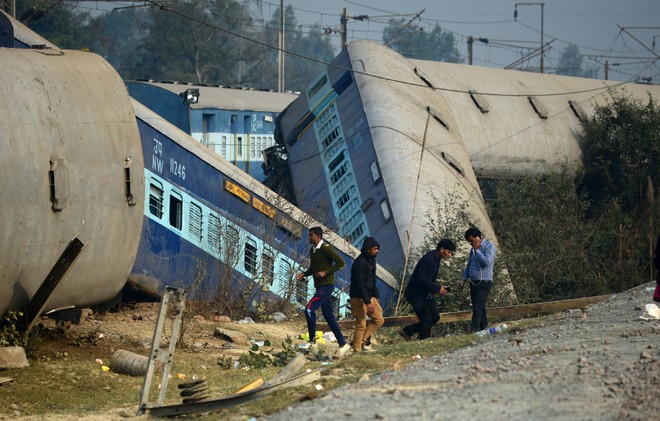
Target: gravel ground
{"x":602,"y":363}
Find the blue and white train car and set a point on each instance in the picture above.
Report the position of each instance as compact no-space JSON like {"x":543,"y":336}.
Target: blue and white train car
{"x":236,"y":123}
{"x":213,"y":229}
{"x":386,"y":141}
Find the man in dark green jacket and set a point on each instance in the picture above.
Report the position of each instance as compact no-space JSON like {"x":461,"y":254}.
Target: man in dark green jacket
{"x":324,"y":262}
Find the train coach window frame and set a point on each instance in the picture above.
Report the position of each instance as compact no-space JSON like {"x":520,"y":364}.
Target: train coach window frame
{"x":195,"y":221}
{"x":250,"y":256}
{"x":215,"y":227}
{"x":268,"y":266}
{"x":156,"y":198}
{"x":176,"y":210}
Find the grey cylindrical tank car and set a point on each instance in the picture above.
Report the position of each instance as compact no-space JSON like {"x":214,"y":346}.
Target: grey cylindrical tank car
{"x":70,"y":166}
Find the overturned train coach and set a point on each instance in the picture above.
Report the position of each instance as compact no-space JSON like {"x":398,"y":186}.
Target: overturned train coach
{"x":144,"y":201}
{"x":387,"y":141}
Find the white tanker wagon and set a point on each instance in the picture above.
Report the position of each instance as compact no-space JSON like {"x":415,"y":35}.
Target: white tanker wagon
{"x":69,"y":143}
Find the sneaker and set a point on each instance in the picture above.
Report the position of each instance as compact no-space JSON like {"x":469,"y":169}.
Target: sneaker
{"x":405,"y":336}
{"x":342,"y":351}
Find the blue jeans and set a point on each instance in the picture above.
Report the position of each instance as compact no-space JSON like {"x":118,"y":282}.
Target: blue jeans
{"x":479,"y":295}
{"x":323,"y":298}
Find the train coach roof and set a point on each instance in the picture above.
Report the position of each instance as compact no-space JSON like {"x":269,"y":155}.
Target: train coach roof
{"x":226,"y":98}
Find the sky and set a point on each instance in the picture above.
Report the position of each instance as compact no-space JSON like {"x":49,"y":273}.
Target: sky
{"x":591,"y":25}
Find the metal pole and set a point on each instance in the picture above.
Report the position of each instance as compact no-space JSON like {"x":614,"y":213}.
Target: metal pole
{"x":469,"y":42}
{"x":343,"y":20}
{"x":280,"y":63}
{"x":542,"y":4}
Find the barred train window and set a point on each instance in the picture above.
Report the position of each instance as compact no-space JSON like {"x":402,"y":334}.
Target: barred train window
{"x":232,"y":244}
{"x":268,"y":267}
{"x":214,"y":233}
{"x":250,"y":259}
{"x":176,"y":210}
{"x":156,"y":199}
{"x":195,"y":222}
{"x":284,"y":272}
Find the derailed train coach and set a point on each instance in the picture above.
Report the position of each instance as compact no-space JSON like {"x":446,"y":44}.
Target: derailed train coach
{"x":147,"y":203}
{"x":386,"y":141}
{"x":68,"y":147}
{"x":209,"y":225}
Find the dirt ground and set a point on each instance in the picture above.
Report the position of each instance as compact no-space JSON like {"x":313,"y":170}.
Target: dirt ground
{"x":598,"y":364}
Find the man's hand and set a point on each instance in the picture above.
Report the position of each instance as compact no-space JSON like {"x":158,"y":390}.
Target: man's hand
{"x":320,"y":274}
{"x":475,"y":242}
{"x":444,"y":290}
{"x":299,"y":276}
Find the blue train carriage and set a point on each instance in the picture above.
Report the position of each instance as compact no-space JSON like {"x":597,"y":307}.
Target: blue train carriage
{"x":214,"y":230}
{"x":236,"y":123}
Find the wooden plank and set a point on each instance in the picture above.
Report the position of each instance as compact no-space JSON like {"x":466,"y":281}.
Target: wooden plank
{"x":521,"y":310}
{"x":252,"y":385}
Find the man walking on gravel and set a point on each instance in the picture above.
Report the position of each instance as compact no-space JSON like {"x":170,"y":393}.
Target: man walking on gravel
{"x":364,"y":295}
{"x":324,"y":262}
{"x":422,"y":287}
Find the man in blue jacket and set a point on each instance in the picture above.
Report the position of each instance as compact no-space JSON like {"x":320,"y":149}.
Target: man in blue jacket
{"x":479,"y":271}
{"x":422,"y":287}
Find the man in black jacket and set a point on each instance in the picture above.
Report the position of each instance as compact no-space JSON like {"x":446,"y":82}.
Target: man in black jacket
{"x":423,"y":286}
{"x":364,"y":294}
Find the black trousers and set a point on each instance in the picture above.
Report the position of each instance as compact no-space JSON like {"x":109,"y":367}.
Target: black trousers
{"x":428,"y":315}
{"x":479,"y":295}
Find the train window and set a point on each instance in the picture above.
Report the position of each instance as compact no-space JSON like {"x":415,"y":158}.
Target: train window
{"x":156,"y":199}
{"x":253,"y":148}
{"x":250,"y":257}
{"x":284,"y":274}
{"x":268,"y":267}
{"x":375,"y":174}
{"x":317,"y":86}
{"x":335,"y":162}
{"x":223,"y":147}
{"x":195,"y":221}
{"x":384,"y":207}
{"x":301,"y":291}
{"x":214,"y":233}
{"x":239,"y":146}
{"x":232,"y":244}
{"x":176,"y":210}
